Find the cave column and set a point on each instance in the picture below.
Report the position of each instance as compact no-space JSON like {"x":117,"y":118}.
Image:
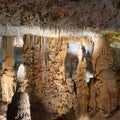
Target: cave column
{"x":105,"y":77}
{"x":7,"y":65}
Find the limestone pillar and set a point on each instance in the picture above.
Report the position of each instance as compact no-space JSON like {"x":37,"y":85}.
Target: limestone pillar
{"x":7,"y":65}
{"x":105,"y":86}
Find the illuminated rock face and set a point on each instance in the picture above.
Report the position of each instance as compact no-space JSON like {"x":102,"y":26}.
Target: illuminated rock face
{"x":7,"y":65}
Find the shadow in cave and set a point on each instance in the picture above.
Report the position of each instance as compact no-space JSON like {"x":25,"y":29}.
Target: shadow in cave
{"x":70,"y":115}
{"x":39,"y":112}
{"x":71,"y":61}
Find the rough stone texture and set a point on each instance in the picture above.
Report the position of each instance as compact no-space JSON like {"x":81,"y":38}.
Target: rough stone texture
{"x":66,"y":97}
{"x":19,"y":109}
{"x":47,"y":75}
{"x":59,"y":13}
{"x":61,"y":96}
{"x":105,"y":80}
{"x":63,"y":92}
{"x":82,"y":87}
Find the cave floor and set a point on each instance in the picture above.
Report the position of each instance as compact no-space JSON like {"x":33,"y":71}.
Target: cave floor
{"x":41,"y":114}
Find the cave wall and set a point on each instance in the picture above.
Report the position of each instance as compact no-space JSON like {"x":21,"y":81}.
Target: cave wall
{"x":48,"y":59}
{"x":45,"y":62}
{"x":46,"y":74}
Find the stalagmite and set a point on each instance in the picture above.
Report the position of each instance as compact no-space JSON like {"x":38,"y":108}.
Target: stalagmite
{"x":21,"y":73}
{"x":19,"y":108}
{"x":43,"y":45}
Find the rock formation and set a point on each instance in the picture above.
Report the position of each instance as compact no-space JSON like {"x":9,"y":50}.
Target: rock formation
{"x":67,"y":84}
{"x":7,"y":66}
{"x":47,"y":75}
{"x":19,"y":108}
{"x":104,"y":88}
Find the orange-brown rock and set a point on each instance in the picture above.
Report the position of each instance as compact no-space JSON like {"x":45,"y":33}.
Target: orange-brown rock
{"x":7,"y":66}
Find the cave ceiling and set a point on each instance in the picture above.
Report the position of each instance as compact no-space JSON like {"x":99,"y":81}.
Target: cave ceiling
{"x":104,"y":14}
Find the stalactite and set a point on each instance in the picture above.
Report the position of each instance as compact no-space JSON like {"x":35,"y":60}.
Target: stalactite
{"x":58,"y":42}
{"x":21,"y":74}
{"x":43,"y":47}
{"x":32,"y":49}
{"x":6,"y":32}
{"x":17,"y":36}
